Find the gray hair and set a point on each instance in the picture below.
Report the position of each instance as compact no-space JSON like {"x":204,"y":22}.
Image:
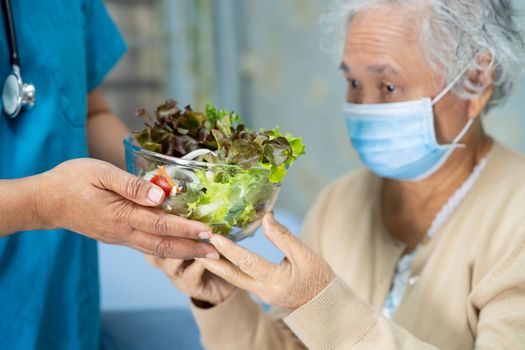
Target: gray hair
{"x":452,"y":35}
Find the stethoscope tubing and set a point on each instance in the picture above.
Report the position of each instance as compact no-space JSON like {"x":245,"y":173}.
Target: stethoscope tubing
{"x":10,"y":30}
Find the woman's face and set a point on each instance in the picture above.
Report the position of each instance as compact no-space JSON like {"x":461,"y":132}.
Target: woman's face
{"x":384,"y":63}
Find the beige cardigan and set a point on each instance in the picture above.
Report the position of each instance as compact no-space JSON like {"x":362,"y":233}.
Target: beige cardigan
{"x":470,"y":278}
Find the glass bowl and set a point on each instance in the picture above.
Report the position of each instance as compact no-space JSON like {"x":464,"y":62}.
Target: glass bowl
{"x":231,"y":200}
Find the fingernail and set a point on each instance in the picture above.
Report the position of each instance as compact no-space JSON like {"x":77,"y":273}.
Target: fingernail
{"x":272,"y":218}
{"x":155,"y":195}
{"x":205,"y":235}
{"x":212,"y":256}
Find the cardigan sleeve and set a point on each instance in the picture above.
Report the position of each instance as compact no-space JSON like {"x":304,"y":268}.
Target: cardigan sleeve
{"x":240,"y":323}
{"x":338,"y":319}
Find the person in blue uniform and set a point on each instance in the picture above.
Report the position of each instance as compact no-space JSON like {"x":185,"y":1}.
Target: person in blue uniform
{"x":56,"y":201}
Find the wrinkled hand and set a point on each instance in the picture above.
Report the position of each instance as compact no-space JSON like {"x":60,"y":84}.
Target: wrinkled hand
{"x":192,"y":279}
{"x":100,"y":201}
{"x":296,"y":280}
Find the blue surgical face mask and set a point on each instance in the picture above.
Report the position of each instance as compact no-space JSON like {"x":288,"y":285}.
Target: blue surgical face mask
{"x":398,"y":140}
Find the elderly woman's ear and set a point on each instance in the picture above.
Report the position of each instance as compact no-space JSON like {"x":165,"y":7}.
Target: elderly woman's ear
{"x":481,"y":83}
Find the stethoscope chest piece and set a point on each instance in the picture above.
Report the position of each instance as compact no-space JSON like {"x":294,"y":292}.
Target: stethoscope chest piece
{"x":16,"y":94}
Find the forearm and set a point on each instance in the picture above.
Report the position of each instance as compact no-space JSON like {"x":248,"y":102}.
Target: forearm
{"x":105,"y":135}
{"x":19,"y":205}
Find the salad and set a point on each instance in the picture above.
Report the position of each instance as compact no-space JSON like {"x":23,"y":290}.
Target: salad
{"x":211,"y":167}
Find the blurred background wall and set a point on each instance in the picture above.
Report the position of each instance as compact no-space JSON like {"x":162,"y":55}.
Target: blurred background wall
{"x":262,"y":59}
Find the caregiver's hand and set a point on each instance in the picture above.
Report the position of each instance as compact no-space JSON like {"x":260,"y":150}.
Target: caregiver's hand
{"x":296,"y":280}
{"x":99,"y":200}
{"x":192,"y":279}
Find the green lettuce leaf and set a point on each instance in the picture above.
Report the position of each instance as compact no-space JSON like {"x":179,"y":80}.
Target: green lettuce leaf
{"x":230,"y":200}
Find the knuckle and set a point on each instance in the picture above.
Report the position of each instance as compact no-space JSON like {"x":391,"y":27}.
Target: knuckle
{"x":160,"y":225}
{"x":166,"y":248}
{"x":133,"y":187}
{"x":163,"y":248}
{"x":246,"y":262}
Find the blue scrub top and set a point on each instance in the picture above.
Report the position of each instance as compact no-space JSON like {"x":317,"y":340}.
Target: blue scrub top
{"x":49,"y":287}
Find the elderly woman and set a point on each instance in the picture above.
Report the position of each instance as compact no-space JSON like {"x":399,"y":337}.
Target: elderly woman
{"x":425,"y":248}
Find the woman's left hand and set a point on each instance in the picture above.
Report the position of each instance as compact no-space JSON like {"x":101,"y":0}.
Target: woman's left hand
{"x":296,"y":280}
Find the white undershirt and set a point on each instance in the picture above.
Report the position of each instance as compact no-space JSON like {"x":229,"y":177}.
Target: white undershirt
{"x":404,"y":266}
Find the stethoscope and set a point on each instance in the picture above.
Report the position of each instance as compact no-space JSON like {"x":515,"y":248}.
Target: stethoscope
{"x":15,"y":94}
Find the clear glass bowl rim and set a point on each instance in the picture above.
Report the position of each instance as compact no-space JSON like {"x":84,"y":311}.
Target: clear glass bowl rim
{"x":131,"y":144}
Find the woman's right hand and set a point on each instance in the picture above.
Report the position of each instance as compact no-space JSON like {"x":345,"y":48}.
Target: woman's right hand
{"x":192,"y":279}
{"x":98,"y":200}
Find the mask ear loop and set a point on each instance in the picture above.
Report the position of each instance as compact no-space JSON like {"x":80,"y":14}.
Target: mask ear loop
{"x":450,"y":86}
{"x":445,"y":91}
{"x":467,"y":126}
{"x":463,"y":132}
